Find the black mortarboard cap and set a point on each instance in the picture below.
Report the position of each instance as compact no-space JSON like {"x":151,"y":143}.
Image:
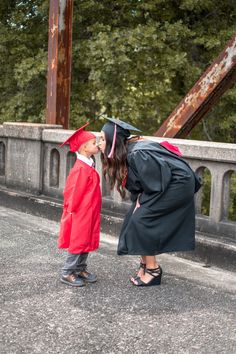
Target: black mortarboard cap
{"x":116,"y":127}
{"x":122,"y":124}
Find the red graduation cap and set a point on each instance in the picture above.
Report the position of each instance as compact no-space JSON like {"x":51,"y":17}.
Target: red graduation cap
{"x":79,"y":137}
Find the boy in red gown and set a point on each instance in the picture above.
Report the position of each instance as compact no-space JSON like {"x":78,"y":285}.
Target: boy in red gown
{"x":80,"y":222}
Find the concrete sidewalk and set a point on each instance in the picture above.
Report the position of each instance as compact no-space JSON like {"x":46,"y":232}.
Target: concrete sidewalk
{"x":193,"y":311}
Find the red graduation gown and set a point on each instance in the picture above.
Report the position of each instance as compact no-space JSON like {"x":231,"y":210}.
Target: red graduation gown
{"x":80,"y":222}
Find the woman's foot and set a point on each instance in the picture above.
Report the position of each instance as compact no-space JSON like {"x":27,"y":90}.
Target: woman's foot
{"x":151,"y":277}
{"x":141,"y":270}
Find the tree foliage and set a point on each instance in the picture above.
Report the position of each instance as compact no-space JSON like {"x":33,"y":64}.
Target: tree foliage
{"x":133,"y":59}
{"x":23,"y":60}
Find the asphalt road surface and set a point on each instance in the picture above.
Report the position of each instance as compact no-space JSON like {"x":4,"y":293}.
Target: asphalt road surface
{"x":193,"y":311}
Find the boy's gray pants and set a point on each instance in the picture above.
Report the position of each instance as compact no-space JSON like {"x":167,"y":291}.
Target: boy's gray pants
{"x":75,"y":263}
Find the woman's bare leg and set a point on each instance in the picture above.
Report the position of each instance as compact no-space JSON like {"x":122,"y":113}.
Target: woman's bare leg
{"x":151,"y":262}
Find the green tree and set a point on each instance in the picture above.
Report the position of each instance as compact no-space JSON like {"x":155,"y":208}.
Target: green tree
{"x":23,"y":60}
{"x":137,"y":60}
{"x":133,"y":59}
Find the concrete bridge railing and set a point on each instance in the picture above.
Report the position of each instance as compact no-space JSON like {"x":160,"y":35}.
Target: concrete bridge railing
{"x":31,"y":161}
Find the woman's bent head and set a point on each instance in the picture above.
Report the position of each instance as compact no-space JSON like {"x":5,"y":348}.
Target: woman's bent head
{"x":115,"y":167}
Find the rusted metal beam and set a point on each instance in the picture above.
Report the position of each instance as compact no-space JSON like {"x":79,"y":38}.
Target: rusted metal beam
{"x":59,"y":62}
{"x":220,"y":76}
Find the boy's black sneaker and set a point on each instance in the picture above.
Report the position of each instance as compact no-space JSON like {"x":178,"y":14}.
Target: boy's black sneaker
{"x":87,"y":277}
{"x":72,"y":280}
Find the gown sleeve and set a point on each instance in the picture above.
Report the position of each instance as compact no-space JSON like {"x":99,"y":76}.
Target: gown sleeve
{"x":153,"y":173}
{"x":76,"y":187}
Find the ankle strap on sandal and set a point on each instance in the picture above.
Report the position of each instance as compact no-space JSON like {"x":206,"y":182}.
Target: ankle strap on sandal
{"x":154,"y":271}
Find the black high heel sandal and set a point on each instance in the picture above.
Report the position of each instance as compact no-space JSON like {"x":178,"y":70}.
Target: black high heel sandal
{"x":156,"y":273}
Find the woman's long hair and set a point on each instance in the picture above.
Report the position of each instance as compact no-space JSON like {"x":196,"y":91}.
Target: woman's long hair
{"x":115,"y":168}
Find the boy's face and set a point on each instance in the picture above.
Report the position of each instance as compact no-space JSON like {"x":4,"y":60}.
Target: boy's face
{"x":90,"y":147}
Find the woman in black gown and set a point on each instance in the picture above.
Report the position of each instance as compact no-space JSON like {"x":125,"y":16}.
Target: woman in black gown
{"x":162,"y":186}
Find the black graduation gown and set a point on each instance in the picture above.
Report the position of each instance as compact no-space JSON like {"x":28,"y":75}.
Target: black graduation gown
{"x":165,"y":183}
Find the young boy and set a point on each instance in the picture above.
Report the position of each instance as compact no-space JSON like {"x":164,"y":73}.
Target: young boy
{"x":80,"y":222}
